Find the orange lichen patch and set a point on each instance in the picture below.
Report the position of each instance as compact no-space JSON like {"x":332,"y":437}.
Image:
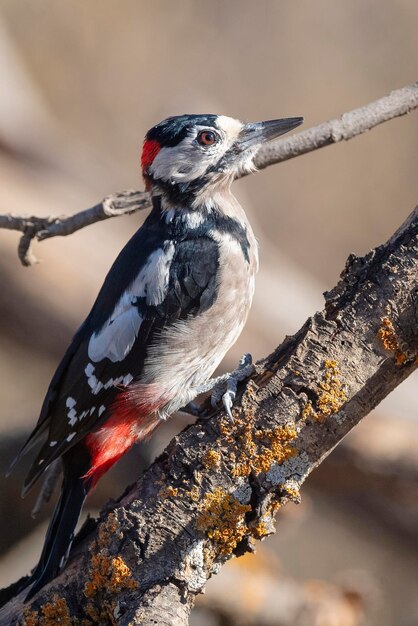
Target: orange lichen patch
{"x":168,"y":492}
{"x":222,"y":520}
{"x":390,"y":341}
{"x":259,"y":531}
{"x":49,"y":614}
{"x":109,"y":575}
{"x":256,"y":451}
{"x":30,"y":618}
{"x":107,"y":530}
{"x":274,"y":507}
{"x":212,"y":460}
{"x":194,"y":493}
{"x":332,"y":395}
{"x":292,"y":493}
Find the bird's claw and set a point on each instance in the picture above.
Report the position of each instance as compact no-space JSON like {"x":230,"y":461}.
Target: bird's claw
{"x":244,"y":369}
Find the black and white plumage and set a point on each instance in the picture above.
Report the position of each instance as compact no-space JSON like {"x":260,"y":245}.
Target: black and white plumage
{"x":173,"y":303}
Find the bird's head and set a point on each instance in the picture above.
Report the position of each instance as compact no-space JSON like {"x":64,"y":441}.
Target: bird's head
{"x":186,"y":153}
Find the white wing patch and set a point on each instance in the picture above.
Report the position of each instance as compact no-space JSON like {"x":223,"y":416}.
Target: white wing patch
{"x":115,"y":340}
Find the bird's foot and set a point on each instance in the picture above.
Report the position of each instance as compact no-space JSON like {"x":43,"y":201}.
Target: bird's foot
{"x":225,"y":387}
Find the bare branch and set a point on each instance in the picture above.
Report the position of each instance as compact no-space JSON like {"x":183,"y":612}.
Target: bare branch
{"x":349,"y":125}
{"x":217,"y":486}
{"x":119,"y":203}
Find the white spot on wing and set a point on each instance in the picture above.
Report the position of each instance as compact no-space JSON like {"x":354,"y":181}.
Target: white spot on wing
{"x":97,"y":385}
{"x":89,"y":369}
{"x":71,"y":436}
{"x":102,"y":409}
{"x":92,"y":380}
{"x":70,"y":402}
{"x":53,"y":443}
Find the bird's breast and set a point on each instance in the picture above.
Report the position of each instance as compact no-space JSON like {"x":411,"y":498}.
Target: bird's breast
{"x":188,"y":351}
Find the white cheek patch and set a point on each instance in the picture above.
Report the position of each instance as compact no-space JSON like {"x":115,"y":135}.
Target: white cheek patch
{"x":182,"y":163}
{"x":116,"y":338}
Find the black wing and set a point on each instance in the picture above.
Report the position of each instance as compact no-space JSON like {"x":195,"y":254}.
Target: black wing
{"x":192,"y":288}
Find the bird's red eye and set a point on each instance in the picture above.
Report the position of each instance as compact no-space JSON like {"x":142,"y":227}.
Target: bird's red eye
{"x":207,"y":138}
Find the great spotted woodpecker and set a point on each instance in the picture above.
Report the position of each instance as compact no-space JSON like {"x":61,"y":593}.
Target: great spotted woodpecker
{"x":173,"y":303}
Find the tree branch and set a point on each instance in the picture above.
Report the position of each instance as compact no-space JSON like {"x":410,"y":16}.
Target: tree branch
{"x":349,"y":125}
{"x":217,"y":486}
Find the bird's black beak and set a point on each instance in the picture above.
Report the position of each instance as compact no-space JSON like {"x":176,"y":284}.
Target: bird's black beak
{"x":259,"y":132}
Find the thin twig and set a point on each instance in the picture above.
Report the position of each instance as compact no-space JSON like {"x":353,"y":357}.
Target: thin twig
{"x":349,"y":125}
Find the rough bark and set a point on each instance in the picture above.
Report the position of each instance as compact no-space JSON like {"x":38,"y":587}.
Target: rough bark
{"x":217,"y":486}
{"x":349,"y":125}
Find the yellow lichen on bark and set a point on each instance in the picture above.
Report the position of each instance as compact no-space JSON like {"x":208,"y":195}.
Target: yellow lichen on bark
{"x":259,"y":531}
{"x":222,"y":520}
{"x":108,"y":574}
{"x":256,"y":451}
{"x":212,"y":460}
{"x":49,"y":614}
{"x":194,"y":493}
{"x":390,"y":341}
{"x":168,"y":492}
{"x":331,"y":396}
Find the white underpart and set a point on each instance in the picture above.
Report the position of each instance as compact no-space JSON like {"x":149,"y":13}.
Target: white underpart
{"x":115,"y":340}
{"x":204,"y":338}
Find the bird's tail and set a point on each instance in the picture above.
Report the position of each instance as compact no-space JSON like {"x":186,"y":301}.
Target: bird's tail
{"x":60,"y":533}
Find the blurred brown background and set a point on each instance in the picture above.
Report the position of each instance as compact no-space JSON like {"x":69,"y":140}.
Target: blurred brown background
{"x":80,"y":83}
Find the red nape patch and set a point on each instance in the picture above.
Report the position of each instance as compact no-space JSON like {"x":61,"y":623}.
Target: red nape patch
{"x":150,"y":150}
{"x":126,"y":425}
